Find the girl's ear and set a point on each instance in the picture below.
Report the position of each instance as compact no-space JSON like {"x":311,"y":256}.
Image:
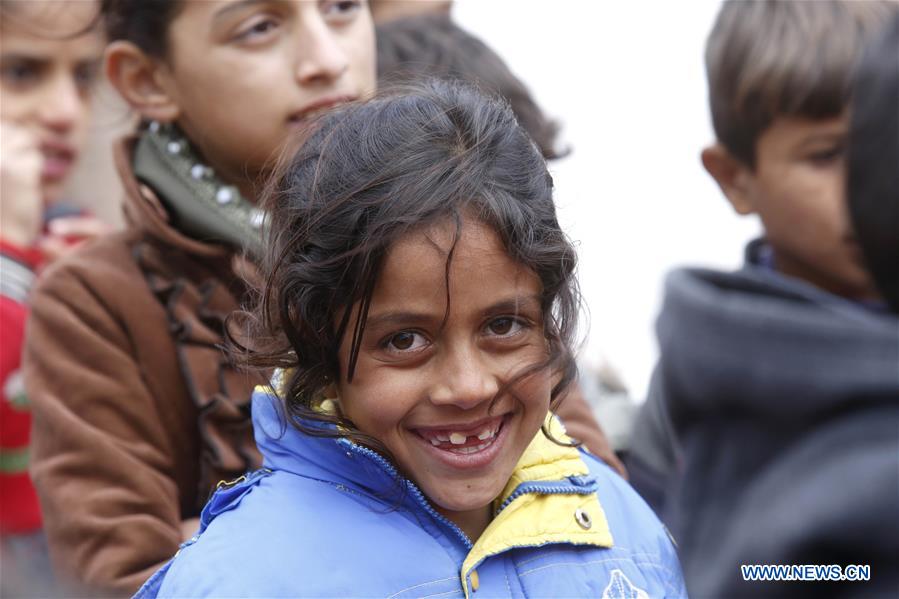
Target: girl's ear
{"x":138,"y":79}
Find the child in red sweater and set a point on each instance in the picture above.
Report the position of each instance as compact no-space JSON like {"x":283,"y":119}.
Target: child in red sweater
{"x":49,"y":53}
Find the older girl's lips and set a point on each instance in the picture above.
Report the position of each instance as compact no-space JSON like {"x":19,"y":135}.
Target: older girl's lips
{"x":59,"y":158}
{"x":320,"y":105}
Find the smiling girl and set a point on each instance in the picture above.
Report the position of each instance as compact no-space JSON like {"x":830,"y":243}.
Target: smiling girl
{"x":421,"y":295}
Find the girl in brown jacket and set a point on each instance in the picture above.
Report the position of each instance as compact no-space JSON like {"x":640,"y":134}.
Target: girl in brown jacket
{"x":137,"y":412}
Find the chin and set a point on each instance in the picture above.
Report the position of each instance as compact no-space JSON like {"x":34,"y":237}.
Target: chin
{"x":52,"y":193}
{"x":462,"y":498}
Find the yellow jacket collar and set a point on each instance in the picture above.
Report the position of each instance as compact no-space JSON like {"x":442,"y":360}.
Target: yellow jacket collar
{"x":531,"y":514}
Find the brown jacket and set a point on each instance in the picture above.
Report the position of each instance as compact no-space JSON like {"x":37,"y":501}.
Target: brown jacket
{"x":137,"y":413}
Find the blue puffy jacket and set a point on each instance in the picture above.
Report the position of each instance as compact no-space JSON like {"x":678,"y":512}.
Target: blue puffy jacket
{"x":329,"y":518}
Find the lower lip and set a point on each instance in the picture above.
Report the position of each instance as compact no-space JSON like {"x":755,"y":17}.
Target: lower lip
{"x":469,"y":461}
{"x":56,"y":168}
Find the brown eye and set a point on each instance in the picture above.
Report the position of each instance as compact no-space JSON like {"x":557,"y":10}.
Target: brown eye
{"x":406,"y":341}
{"x":402,"y":340}
{"x":503,"y":327}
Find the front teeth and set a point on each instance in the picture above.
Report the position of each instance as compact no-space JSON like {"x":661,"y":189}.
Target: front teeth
{"x":486,"y":436}
{"x":472,"y":449}
{"x":457,"y":438}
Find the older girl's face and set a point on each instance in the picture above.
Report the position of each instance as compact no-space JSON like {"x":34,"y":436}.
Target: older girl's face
{"x":425,"y":378}
{"x":49,"y":60}
{"x":246,"y":73}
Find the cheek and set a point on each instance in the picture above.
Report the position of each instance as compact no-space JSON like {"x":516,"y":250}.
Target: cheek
{"x":534,"y":392}
{"x":17,"y":105}
{"x":360,"y":50}
{"x":378,"y":401}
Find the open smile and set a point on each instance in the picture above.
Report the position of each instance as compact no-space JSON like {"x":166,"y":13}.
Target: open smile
{"x":465,"y":446}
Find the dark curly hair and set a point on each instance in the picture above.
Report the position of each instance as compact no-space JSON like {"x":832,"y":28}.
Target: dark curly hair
{"x":366,"y":175}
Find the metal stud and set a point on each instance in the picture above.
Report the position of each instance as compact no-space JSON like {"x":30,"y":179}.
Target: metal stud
{"x":257,"y":217}
{"x":173,"y":147}
{"x":225,"y":195}
{"x":154,"y":127}
{"x":198,"y":171}
{"x":583,"y":519}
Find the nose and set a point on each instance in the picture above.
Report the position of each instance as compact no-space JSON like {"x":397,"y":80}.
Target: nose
{"x":463,"y":378}
{"x":320,"y":56}
{"x":64,"y":104}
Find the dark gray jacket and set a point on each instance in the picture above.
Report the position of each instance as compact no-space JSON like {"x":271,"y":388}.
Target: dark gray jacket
{"x":785,"y":403}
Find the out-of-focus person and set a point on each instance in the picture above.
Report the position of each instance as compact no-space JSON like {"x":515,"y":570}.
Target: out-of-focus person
{"x":873,"y":194}
{"x":771,"y":426}
{"x":384,"y":11}
{"x":49,"y":58}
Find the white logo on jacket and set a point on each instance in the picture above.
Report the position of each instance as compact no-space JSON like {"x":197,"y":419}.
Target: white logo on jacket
{"x":620,"y":587}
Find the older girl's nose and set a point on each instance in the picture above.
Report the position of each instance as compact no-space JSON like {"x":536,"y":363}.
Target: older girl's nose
{"x":321,"y":58}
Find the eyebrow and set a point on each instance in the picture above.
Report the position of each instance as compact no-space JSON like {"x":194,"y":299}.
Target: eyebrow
{"x":226,"y":10}
{"x":514,"y":305}
{"x":24,"y":57}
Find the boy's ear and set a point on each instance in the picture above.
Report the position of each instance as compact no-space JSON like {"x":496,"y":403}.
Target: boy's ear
{"x":139,"y":80}
{"x":732,"y":176}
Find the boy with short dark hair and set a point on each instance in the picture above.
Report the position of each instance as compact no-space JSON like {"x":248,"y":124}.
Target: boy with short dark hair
{"x":779,"y":381}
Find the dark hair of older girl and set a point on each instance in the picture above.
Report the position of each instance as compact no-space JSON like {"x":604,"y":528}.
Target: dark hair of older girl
{"x":367,"y":175}
{"x":144,"y":23}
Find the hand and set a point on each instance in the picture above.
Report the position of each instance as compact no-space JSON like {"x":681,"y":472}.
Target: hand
{"x":21,"y":201}
{"x":66,"y":233}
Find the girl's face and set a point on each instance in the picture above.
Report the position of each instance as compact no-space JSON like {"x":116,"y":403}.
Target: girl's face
{"x":46,"y":77}
{"x":245,"y":73}
{"x":424,"y":379}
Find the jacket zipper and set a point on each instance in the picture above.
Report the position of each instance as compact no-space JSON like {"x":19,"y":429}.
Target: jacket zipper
{"x":543,"y":489}
{"x":416,"y":492}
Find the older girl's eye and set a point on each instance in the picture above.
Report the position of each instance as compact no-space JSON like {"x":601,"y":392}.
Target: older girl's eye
{"x":405,"y":341}
{"x":340,"y":11}
{"x":260,"y":28}
{"x":505,"y":326}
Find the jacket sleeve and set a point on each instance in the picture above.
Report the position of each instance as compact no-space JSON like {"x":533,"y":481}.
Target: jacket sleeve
{"x":101,"y":462}
{"x":580,"y":424}
{"x":653,"y":458}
